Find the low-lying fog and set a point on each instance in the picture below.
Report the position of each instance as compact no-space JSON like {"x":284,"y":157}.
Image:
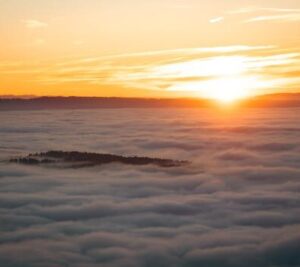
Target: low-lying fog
{"x":237,"y":204}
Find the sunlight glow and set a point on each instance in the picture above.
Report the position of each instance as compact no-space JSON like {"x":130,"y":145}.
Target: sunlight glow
{"x":227,"y":78}
{"x":231,"y":89}
{"x":224,"y":89}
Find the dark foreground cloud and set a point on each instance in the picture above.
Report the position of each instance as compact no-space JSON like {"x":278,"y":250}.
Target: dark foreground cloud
{"x":236,"y":205}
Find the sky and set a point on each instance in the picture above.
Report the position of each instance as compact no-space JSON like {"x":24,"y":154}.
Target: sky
{"x":160,"y":48}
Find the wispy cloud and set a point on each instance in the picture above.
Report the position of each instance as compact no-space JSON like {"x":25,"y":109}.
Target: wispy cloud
{"x":185,"y":70}
{"x":188,"y":71}
{"x":264,"y":14}
{"x":34,"y":24}
{"x":282,"y":17}
{"x":186,"y":51}
{"x":206,"y":75}
{"x":216,"y":20}
{"x":266,"y":9}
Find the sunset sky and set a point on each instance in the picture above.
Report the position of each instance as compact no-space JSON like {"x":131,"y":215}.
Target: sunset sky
{"x":140,"y":48}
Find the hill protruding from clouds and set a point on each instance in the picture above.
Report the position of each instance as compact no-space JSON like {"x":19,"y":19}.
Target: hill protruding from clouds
{"x":82,"y":159}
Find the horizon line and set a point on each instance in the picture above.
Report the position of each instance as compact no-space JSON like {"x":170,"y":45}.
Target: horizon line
{"x":31,"y":97}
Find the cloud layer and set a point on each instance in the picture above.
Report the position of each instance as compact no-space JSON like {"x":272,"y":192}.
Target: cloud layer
{"x":236,"y":205}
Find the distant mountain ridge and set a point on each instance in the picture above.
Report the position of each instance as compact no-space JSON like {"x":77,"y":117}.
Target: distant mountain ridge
{"x":40,"y":103}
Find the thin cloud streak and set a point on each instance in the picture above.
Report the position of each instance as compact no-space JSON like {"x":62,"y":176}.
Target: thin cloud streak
{"x":280,"y":18}
{"x":267,"y":14}
{"x":258,"y":9}
{"x":184,"y":51}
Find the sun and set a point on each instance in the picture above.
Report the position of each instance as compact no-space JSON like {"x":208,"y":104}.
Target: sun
{"x":229,"y":79}
{"x":224,"y":89}
{"x":230,"y":89}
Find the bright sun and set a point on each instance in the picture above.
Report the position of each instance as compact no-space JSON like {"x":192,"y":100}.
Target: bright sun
{"x":229,"y":81}
{"x":225,"y":79}
{"x":230,"y":89}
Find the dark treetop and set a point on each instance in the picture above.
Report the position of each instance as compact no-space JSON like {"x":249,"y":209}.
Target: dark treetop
{"x":83,"y":159}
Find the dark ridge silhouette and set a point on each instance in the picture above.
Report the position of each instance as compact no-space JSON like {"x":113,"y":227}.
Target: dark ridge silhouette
{"x":283,"y":100}
{"x":39,"y":103}
{"x":17,"y":97}
{"x":84,"y":159}
{"x":98,"y":103}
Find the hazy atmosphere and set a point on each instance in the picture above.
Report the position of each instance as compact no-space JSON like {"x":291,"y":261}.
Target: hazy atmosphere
{"x":149,"y":133}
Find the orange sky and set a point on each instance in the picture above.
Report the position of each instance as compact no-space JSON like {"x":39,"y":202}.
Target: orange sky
{"x":162,"y":48}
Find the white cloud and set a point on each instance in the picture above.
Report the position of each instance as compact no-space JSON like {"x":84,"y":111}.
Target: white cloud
{"x":216,"y":20}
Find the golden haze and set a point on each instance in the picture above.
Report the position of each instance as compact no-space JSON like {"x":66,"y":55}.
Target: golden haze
{"x":214,"y":49}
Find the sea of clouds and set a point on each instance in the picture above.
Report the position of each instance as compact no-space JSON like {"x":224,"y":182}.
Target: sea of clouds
{"x":237,"y":203}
